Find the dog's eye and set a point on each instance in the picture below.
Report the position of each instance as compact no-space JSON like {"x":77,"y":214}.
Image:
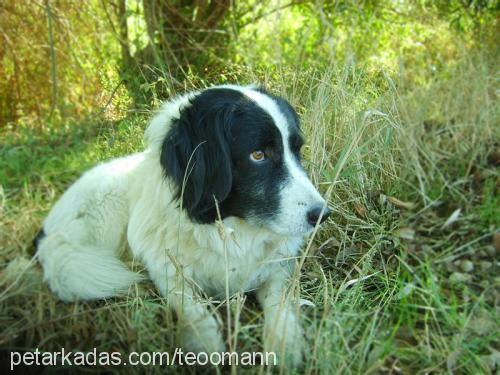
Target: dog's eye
{"x":257,"y":155}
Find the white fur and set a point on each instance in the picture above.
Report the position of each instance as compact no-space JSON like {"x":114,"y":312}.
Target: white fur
{"x":129,"y":200}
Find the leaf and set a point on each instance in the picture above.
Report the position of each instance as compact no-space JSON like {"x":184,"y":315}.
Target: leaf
{"x":406,"y":290}
{"x":492,"y":360}
{"x":453,"y":217}
{"x":482,"y":324}
{"x":451,"y":361}
{"x":496,"y":241}
{"x":401,"y":204}
{"x":360,"y":210}
{"x":494,"y":157}
{"x":306,"y":302}
{"x":467,"y":266}
{"x":388,"y":136}
{"x":346,"y":285}
{"x":459,"y":278}
{"x":405,"y":234}
{"x":331,"y":242}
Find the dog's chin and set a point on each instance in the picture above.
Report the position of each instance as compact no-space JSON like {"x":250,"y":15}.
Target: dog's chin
{"x":301,"y":231}
{"x":280,"y":228}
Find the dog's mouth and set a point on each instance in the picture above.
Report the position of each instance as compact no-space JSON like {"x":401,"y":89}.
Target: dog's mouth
{"x":301,"y":224}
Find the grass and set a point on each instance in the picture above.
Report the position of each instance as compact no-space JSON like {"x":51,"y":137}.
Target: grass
{"x":404,"y":276}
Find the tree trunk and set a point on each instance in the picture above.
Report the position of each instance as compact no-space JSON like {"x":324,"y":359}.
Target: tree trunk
{"x":184,"y":36}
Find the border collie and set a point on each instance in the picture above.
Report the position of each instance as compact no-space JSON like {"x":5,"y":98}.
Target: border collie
{"x":217,"y":203}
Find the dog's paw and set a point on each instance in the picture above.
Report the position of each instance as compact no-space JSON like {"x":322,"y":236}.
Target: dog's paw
{"x":285,"y":338}
{"x":203,"y":337}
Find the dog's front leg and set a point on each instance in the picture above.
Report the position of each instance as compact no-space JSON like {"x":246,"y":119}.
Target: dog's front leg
{"x":200,"y":331}
{"x":198,"y":326}
{"x":282,"y":331}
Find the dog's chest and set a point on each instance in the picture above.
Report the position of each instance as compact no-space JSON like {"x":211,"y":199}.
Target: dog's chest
{"x":233,"y":271}
{"x":238,"y":262}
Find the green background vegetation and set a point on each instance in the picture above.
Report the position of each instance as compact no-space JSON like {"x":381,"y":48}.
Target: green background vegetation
{"x":399,"y":104}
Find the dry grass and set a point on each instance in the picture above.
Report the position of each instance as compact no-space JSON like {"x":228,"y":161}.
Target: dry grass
{"x":397,"y":286}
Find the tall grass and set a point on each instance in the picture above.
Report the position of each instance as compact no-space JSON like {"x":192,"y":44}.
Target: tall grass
{"x":389,"y":275}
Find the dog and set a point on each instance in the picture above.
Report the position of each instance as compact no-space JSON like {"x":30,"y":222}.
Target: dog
{"x":217,"y":203}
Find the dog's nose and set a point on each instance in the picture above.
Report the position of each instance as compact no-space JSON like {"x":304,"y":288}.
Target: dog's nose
{"x":314,"y":213}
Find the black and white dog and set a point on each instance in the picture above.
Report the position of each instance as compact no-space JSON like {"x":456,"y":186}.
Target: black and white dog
{"x":228,"y":152}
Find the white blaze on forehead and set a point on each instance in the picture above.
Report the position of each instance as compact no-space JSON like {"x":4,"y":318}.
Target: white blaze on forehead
{"x":272,"y":108}
{"x":295,"y":169}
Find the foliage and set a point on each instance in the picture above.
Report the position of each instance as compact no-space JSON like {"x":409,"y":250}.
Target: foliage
{"x":154,"y":48}
{"x":83,"y":54}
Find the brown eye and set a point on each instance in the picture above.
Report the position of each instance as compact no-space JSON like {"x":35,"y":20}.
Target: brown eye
{"x":257,"y":155}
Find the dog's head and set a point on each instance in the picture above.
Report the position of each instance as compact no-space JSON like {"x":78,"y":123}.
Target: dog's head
{"x":235,"y":151}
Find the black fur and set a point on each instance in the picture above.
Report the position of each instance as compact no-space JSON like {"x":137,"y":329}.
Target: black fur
{"x":40,"y":236}
{"x":196,"y":153}
{"x":206,"y":154}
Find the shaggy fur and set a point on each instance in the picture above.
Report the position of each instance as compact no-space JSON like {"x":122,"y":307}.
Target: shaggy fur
{"x":165,"y":203}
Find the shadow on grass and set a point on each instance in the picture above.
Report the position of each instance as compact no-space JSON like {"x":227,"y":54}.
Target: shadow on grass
{"x":29,"y":158}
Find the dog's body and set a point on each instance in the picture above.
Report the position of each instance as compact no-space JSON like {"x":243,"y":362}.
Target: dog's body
{"x":200,"y":165}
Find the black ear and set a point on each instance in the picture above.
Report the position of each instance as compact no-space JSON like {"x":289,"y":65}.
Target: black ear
{"x":196,"y":156}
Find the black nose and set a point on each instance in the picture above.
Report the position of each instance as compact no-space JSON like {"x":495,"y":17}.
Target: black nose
{"x":314,"y":213}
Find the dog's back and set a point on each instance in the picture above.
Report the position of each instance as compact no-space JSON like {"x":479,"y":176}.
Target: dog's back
{"x":84,"y":232}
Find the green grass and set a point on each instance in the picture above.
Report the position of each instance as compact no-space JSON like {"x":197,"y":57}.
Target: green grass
{"x":397,"y":287}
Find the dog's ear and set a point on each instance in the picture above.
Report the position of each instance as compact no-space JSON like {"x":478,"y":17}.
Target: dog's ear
{"x":196,"y":156}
